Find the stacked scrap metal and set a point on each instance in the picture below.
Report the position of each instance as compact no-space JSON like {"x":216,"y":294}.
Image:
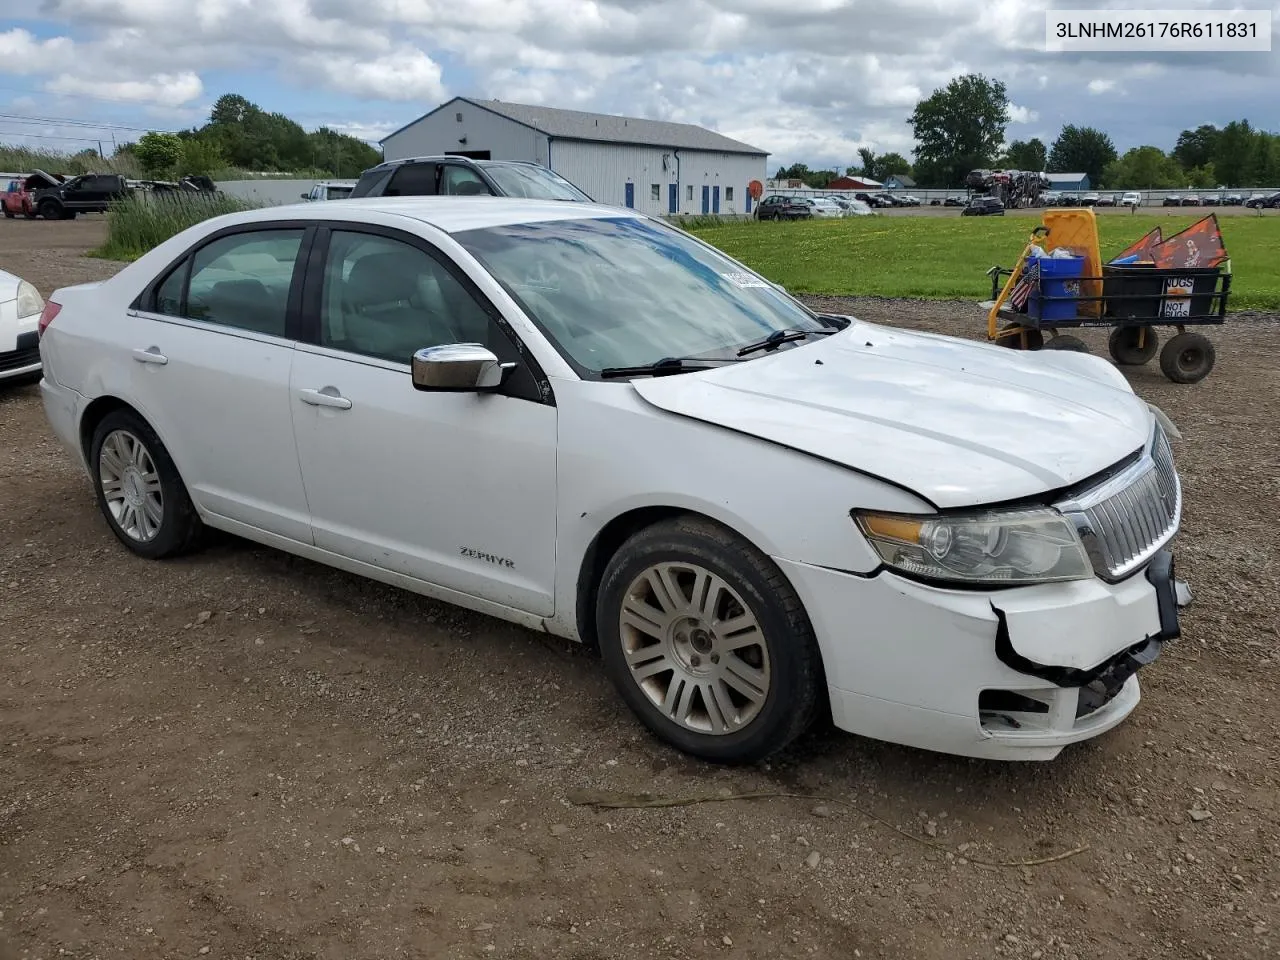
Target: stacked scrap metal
{"x":1014,"y":188}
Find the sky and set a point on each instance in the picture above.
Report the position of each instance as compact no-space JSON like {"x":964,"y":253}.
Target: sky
{"x":809,"y":81}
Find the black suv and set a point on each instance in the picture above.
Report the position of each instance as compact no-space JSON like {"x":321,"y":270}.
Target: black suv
{"x":782,"y":208}
{"x":90,"y":193}
{"x":462,"y":177}
{"x":983,"y":207}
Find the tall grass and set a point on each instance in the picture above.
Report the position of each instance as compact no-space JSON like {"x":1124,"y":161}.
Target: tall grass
{"x":23,"y":160}
{"x":143,"y":221}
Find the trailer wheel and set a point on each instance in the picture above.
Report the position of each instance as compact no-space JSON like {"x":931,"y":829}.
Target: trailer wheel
{"x":1133,"y":346}
{"x":1064,"y":341}
{"x":1187,"y":358}
{"x":1027,"y":338}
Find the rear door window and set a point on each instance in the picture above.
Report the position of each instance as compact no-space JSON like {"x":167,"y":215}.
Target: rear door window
{"x":413,"y":180}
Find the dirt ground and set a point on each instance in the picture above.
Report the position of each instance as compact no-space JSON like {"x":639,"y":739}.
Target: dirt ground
{"x":244,"y":755}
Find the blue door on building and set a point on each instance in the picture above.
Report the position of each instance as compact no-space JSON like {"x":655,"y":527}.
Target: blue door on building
{"x":631,"y":194}
{"x":748,"y":196}
{"x":673,"y":198}
{"x":715,"y":199}
{"x":706,"y":199}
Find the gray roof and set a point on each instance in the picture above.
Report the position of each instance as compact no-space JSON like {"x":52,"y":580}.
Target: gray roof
{"x":603,"y":127}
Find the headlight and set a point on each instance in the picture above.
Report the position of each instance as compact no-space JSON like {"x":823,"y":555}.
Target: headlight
{"x":997,"y":546}
{"x":30,"y":302}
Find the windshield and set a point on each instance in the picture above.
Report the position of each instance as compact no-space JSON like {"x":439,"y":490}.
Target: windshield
{"x":622,"y":292}
{"x":534,"y":182}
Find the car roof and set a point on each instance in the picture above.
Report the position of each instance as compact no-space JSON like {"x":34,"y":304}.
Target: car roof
{"x":450,"y":214}
{"x":437,"y":158}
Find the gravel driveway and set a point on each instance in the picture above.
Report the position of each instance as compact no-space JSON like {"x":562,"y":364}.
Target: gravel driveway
{"x":241,"y":754}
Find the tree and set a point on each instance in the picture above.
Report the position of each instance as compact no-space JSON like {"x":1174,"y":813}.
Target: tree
{"x":1144,"y":168}
{"x":1197,"y":147}
{"x":1202,"y":178}
{"x":868,"y":158}
{"x":958,"y":128}
{"x":1233,"y":154}
{"x":199,"y":157}
{"x":888,"y":164}
{"x":1081,"y":150}
{"x":1025,"y":155}
{"x":158,"y":153}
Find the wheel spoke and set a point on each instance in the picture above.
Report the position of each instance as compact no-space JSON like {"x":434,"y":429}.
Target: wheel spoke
{"x":127,"y":518}
{"x":139,"y":455}
{"x":652,"y":668}
{"x":719,"y":707}
{"x":643,"y":617}
{"x":677,"y":684}
{"x":153,"y":513}
{"x":708,"y":589}
{"x":151,"y":483}
{"x":746,"y":679}
{"x":684,"y":704}
{"x":665,"y":590}
{"x":111,"y":457}
{"x":735,"y":625}
{"x":113,"y":488}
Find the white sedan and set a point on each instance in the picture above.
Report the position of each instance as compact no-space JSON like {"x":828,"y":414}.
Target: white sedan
{"x":585,"y":421}
{"x":20,"y":306}
{"x":822,"y":207}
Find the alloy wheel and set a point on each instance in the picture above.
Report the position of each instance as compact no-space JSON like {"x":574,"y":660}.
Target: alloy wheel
{"x":131,"y":486}
{"x":694,"y":648}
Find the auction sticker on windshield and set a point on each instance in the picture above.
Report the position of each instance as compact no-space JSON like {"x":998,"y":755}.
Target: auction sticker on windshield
{"x":744,"y":280}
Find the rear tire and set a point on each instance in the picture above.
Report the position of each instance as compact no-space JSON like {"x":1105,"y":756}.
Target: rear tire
{"x":1123,"y":344}
{"x":1064,"y":341}
{"x":139,"y":490}
{"x":707,"y":642}
{"x":50,"y":209}
{"x":1187,"y":358}
{"x":9,"y":214}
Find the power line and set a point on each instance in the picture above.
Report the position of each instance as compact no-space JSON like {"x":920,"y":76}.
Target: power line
{"x":74,"y":124}
{"x":47,"y":136}
{"x":68,"y":122}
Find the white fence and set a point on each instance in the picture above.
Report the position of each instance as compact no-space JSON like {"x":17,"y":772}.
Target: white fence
{"x":1150,"y":198}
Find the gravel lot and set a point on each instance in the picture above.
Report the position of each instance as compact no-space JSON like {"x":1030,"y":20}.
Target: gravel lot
{"x":240,"y":754}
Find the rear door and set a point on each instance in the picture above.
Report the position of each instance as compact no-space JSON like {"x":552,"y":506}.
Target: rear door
{"x":212,"y":345}
{"x":413,"y":180}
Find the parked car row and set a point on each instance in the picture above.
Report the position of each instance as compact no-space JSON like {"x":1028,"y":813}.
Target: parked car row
{"x":779,"y":207}
{"x":57,"y":197}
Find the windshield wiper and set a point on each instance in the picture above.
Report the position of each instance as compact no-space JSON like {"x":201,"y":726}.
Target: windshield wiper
{"x":779,"y":337}
{"x":665,"y":367}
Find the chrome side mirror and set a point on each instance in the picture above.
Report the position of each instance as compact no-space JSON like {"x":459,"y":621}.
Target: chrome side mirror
{"x":458,"y":367}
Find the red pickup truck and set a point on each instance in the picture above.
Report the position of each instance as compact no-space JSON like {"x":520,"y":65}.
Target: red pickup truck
{"x":17,"y":199}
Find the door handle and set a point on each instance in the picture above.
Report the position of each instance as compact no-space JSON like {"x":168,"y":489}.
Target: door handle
{"x":325,"y":397}
{"x":150,"y":355}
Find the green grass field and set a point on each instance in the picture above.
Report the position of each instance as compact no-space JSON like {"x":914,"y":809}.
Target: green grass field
{"x":946,"y":257}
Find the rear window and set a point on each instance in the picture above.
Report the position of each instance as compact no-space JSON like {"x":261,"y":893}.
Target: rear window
{"x":534,"y":182}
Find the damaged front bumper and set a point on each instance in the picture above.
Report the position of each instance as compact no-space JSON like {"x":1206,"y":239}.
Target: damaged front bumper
{"x":1009,"y":674}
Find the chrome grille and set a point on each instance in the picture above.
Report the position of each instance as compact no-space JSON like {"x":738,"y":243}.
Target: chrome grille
{"x":1128,"y":517}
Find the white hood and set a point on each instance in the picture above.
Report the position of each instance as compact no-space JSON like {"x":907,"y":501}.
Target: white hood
{"x":959,"y":423}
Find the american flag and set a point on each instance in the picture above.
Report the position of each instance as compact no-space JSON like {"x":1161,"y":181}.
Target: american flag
{"x":1026,"y":283}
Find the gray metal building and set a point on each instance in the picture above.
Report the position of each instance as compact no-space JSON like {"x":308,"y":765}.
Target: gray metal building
{"x":650,"y":165}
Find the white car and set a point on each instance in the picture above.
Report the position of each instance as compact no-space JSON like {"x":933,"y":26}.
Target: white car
{"x":822,"y":207}
{"x":1131,"y":199}
{"x":20,"y":307}
{"x":585,"y":421}
{"x":330,"y":190}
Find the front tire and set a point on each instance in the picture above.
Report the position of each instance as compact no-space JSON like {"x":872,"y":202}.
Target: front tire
{"x":139,"y":490}
{"x":707,"y":642}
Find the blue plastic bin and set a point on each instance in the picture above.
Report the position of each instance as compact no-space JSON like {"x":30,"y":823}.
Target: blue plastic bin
{"x":1059,"y":277}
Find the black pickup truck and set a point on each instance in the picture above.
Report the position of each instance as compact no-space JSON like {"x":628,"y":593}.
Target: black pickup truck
{"x":90,"y":193}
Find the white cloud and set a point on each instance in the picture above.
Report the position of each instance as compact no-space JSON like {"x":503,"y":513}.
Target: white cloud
{"x":163,"y":90}
{"x":21,"y":52}
{"x":403,"y":74}
{"x":1098,"y":85}
{"x":1020,"y":114}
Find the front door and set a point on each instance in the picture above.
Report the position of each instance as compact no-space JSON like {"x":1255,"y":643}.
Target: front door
{"x":715,"y":199}
{"x":706,"y":199}
{"x":631,"y":194}
{"x":455,"y":489}
{"x":210,"y":353}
